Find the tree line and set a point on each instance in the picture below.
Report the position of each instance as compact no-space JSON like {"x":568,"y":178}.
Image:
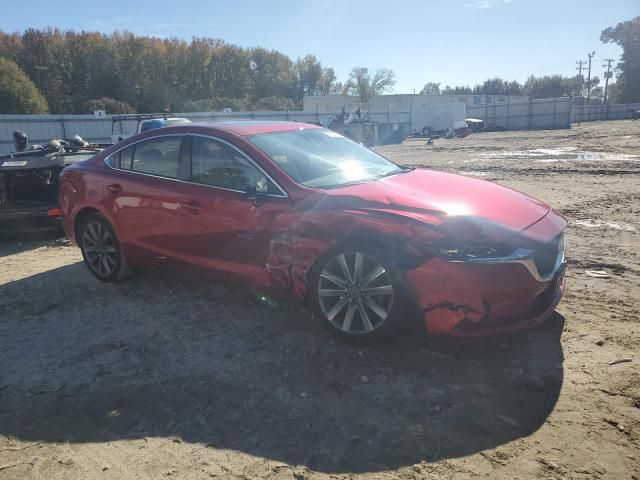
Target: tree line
{"x":49,"y":70}
{"x":77,"y":72}
{"x":546,"y":86}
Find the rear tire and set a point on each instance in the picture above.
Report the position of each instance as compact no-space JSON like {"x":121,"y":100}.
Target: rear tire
{"x":357,"y":295}
{"x":101,"y":250}
{"x":426,"y":131}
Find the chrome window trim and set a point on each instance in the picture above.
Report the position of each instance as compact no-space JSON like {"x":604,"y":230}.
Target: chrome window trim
{"x":106,"y":161}
{"x":524,"y":257}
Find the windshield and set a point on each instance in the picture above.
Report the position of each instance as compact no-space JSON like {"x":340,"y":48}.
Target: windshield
{"x":322,"y":158}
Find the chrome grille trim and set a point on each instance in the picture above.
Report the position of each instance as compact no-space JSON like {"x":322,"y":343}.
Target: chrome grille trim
{"x":525,"y":257}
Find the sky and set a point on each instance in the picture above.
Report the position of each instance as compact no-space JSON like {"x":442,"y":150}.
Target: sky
{"x":452,"y":42}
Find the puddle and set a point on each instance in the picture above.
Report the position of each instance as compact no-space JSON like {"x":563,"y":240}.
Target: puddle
{"x":552,"y":155}
{"x":609,"y":225}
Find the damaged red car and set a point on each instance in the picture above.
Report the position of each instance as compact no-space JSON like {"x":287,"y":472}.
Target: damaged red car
{"x":301,"y":210}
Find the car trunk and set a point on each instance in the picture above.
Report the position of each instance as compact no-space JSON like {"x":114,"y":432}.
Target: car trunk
{"x":29,"y":187}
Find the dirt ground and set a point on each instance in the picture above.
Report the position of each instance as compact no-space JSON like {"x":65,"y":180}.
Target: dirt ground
{"x":167,"y":377}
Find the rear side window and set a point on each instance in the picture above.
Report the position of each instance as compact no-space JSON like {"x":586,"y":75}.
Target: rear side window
{"x":123,"y":158}
{"x":157,"y":157}
{"x":218,"y":165}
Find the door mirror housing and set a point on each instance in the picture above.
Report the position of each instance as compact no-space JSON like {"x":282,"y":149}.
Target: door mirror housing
{"x":252,"y":194}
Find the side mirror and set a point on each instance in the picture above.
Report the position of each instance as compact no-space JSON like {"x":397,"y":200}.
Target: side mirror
{"x":254,"y":196}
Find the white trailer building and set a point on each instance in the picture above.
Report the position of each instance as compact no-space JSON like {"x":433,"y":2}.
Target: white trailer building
{"x":399,"y":103}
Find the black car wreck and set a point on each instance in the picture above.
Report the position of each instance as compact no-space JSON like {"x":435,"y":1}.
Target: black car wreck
{"x":29,"y":184}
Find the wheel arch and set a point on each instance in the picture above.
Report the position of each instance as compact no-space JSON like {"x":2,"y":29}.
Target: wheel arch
{"x":80,"y":212}
{"x":80,"y":216}
{"x":389,"y":245}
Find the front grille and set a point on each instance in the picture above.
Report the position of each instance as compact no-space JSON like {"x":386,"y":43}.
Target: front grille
{"x":547,"y":255}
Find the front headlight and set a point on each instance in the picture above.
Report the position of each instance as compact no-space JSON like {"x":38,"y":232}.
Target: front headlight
{"x":470,"y":253}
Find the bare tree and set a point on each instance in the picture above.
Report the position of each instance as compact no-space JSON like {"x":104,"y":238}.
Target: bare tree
{"x":367,"y":86}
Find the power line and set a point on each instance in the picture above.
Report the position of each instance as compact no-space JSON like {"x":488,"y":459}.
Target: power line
{"x":607,"y":75}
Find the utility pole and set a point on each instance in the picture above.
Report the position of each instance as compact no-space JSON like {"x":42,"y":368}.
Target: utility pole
{"x":590,"y":55}
{"x":580,"y":68}
{"x":607,"y":75}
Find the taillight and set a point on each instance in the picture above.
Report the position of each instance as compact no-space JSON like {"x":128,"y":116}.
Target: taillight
{"x":54,"y":212}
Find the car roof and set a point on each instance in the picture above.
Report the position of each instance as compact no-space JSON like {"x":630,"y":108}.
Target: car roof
{"x":252,"y":127}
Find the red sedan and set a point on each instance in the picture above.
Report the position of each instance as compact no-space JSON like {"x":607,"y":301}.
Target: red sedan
{"x":297,"y":209}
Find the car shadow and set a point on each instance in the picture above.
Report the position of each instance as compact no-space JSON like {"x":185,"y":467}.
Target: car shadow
{"x":11,"y":244}
{"x":164,"y":356}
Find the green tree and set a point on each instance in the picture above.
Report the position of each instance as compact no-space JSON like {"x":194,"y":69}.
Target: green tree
{"x":614,"y":91}
{"x":458,"y":90}
{"x":18,"y":94}
{"x":273,"y":74}
{"x":430,"y":88}
{"x":218,"y":104}
{"x":329,"y":84}
{"x":156,"y":74}
{"x":627,"y":35}
{"x":275,"y":103}
{"x":368,"y":86}
{"x":551,"y":86}
{"x":229,"y":72}
{"x":596,"y":94}
{"x":498,"y":86}
{"x":110,"y":105}
{"x":10,"y":46}
{"x":46,"y":59}
{"x":309,"y":75}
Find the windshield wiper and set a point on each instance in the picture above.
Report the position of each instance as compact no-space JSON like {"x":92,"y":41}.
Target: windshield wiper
{"x":395,"y":172}
{"x":366,"y":180}
{"x":347,"y":184}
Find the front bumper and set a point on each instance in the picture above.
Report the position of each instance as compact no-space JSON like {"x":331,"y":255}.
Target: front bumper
{"x":490,"y":296}
{"x":476,"y":300}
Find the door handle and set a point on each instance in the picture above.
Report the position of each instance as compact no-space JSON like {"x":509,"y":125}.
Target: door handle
{"x":191,"y":205}
{"x":114,"y":187}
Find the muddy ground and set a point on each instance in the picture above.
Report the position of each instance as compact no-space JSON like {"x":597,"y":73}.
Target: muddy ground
{"x":167,"y":377}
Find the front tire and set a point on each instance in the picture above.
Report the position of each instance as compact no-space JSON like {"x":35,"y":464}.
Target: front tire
{"x":357,"y":295}
{"x":101,"y":250}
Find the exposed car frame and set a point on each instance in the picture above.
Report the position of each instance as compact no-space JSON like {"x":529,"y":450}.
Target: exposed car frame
{"x":29,"y":187}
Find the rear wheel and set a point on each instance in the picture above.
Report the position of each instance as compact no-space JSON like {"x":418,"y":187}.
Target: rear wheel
{"x":357,"y":295}
{"x":101,"y":250}
{"x":426,"y":131}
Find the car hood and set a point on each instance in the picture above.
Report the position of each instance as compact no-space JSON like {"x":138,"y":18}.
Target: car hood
{"x":440,"y":198}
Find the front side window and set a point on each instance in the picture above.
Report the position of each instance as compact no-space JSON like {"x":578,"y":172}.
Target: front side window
{"x":321,"y":158}
{"x":218,"y":165}
{"x":158,"y":156}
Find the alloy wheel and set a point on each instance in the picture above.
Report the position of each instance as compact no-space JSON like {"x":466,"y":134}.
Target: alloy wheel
{"x":355,"y":292}
{"x":100,"y":249}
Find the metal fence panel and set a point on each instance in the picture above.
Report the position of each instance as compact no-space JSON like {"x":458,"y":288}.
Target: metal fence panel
{"x":42,"y":128}
{"x":536,"y":114}
{"x":540,"y":114}
{"x":592,"y":113}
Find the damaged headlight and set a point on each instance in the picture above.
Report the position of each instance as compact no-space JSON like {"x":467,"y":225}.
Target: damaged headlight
{"x":470,"y":253}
